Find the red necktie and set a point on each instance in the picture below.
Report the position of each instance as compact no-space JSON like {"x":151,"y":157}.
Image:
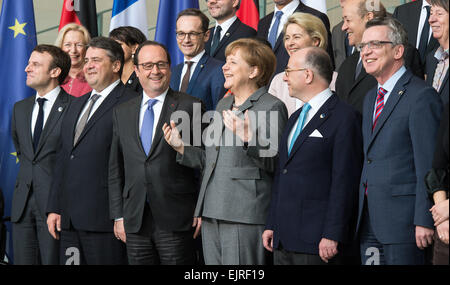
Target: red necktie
{"x":379,"y":106}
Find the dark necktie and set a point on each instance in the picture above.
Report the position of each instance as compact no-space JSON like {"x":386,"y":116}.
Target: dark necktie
{"x":39,"y":122}
{"x":216,"y":40}
{"x":379,"y":105}
{"x":348,"y":47}
{"x":424,"y":36}
{"x":358,"y":69}
{"x":274,"y":31}
{"x":186,"y":77}
{"x":147,"y":126}
{"x":83,"y":121}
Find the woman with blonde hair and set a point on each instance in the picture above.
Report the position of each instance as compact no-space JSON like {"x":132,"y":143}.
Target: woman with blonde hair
{"x":73,"y":39}
{"x":301,"y":30}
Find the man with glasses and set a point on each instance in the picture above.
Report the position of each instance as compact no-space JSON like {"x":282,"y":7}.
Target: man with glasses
{"x":199,"y":75}
{"x":228,"y":27}
{"x":152,"y":197}
{"x":400,"y":121}
{"x":320,"y":155}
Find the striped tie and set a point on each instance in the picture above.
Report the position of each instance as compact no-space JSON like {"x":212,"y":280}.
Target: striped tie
{"x":379,"y":106}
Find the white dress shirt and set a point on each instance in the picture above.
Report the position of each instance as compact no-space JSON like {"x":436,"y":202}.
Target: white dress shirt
{"x":99,"y":101}
{"x":288,"y":10}
{"x":157,"y":107}
{"x":47,"y":107}
{"x":423,"y":16}
{"x":195,"y":61}
{"x":225,"y":26}
{"x":316,"y":103}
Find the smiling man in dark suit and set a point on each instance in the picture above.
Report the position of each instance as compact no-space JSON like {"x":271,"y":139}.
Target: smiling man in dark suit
{"x":320,"y":158}
{"x":78,"y":207}
{"x":36,"y":125}
{"x":200,"y":75}
{"x":152,"y":197}
{"x":271,"y":26}
{"x":228,"y":27}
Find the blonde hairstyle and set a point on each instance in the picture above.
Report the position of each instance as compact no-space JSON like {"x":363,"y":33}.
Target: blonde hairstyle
{"x":311,"y":24}
{"x":72,"y":27}
{"x":258,"y":54}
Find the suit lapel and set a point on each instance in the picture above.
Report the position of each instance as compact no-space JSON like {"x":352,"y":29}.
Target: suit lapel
{"x":176,"y":76}
{"x":58,"y":109}
{"x":28,"y":116}
{"x":227,"y":35}
{"x":284,"y":140}
{"x":319,"y":118}
{"x":198,"y":69}
{"x":415,"y":17}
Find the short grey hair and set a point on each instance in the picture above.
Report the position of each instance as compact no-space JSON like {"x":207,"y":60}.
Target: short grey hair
{"x":397,"y":34}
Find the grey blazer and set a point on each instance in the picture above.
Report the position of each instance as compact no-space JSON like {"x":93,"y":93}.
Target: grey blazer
{"x":237,"y":178}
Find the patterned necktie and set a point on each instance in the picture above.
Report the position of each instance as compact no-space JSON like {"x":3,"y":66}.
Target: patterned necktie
{"x":186,"y":77}
{"x":83,"y":121}
{"x":423,"y":43}
{"x":379,"y":105}
{"x":216,"y":40}
{"x":440,"y":68}
{"x":39,"y":122}
{"x":274,"y":31}
{"x":147,"y":126}
{"x":301,"y":122}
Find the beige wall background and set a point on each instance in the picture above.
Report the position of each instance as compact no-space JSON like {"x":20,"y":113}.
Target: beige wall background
{"x":48,"y":14}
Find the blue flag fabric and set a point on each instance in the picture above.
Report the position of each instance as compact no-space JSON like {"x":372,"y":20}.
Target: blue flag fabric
{"x":17,"y":40}
{"x":166,"y":24}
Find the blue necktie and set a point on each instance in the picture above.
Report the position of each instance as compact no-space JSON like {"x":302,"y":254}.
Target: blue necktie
{"x":274,"y":31}
{"x":301,"y":122}
{"x":39,"y":122}
{"x":147,"y":126}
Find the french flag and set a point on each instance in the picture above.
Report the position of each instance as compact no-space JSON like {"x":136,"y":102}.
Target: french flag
{"x":129,"y":13}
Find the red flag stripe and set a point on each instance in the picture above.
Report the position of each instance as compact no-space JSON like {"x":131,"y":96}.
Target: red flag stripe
{"x":248,"y":13}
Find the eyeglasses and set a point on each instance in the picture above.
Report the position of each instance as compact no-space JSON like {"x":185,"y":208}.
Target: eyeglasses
{"x":149,"y":65}
{"x":287,"y":70}
{"x":191,"y":35}
{"x":77,"y":45}
{"x":372,"y":45}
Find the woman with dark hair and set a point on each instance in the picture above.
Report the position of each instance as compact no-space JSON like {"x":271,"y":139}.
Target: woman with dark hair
{"x":129,"y":38}
{"x":238,"y":162}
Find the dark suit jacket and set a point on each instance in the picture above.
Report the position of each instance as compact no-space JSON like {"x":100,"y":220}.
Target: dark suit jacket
{"x":279,"y":50}
{"x":206,"y":82}
{"x":133,"y":176}
{"x":36,"y":167}
{"x":396,"y":159}
{"x":237,"y":30}
{"x":354,"y":91}
{"x":430,"y":69}
{"x":315,"y":189}
{"x":79,"y":191}
{"x":133,"y":83}
{"x":338,"y":41}
{"x":409,"y":15}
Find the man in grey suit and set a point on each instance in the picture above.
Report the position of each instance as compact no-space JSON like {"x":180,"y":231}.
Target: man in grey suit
{"x":36,"y":125}
{"x":400,"y":121}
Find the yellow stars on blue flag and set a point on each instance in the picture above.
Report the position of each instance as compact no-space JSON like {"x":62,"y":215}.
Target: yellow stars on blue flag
{"x":18,"y":29}
{"x":15,"y":154}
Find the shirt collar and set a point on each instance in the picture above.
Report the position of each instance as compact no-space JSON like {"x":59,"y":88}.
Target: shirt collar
{"x":160,"y":97}
{"x":425,"y":4}
{"x":196,"y":58}
{"x":390,"y":83}
{"x":317,"y":101}
{"x":50,"y":96}
{"x":227,"y":24}
{"x":440,"y":52}
{"x":107,"y":90}
{"x":288,"y":9}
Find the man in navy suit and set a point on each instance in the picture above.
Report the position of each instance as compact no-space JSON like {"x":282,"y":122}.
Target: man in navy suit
{"x":199,"y":75}
{"x":78,"y":206}
{"x":320,"y":159}
{"x":228,"y":27}
{"x":400,"y":121}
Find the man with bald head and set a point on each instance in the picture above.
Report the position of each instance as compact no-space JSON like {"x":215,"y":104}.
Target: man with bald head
{"x":320,"y":159}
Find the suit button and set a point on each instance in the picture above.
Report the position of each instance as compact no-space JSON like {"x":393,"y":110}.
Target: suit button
{"x":285,"y":171}
{"x":72,"y":156}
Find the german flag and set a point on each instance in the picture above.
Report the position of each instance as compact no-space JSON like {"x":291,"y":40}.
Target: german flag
{"x":82,"y":12}
{"x":248,"y":13}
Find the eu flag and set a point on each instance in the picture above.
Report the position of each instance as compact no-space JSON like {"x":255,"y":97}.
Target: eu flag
{"x":17,"y":40}
{"x":166,"y":24}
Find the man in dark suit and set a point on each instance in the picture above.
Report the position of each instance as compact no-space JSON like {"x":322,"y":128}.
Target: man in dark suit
{"x":78,"y":207}
{"x":36,"y":125}
{"x":353,"y":82}
{"x":271,"y":27}
{"x":414,"y":18}
{"x":341,"y":47}
{"x":400,"y":121}
{"x":320,"y":158}
{"x":152,"y":197}
{"x":200,"y":75}
{"x":228,"y":27}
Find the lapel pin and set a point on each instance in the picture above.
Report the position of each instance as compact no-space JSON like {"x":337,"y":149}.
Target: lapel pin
{"x":227,"y":34}
{"x":130,"y":81}
{"x":60,"y":109}
{"x":322,"y":116}
{"x":201,"y":66}
{"x":172,"y":105}
{"x":400,"y":92}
